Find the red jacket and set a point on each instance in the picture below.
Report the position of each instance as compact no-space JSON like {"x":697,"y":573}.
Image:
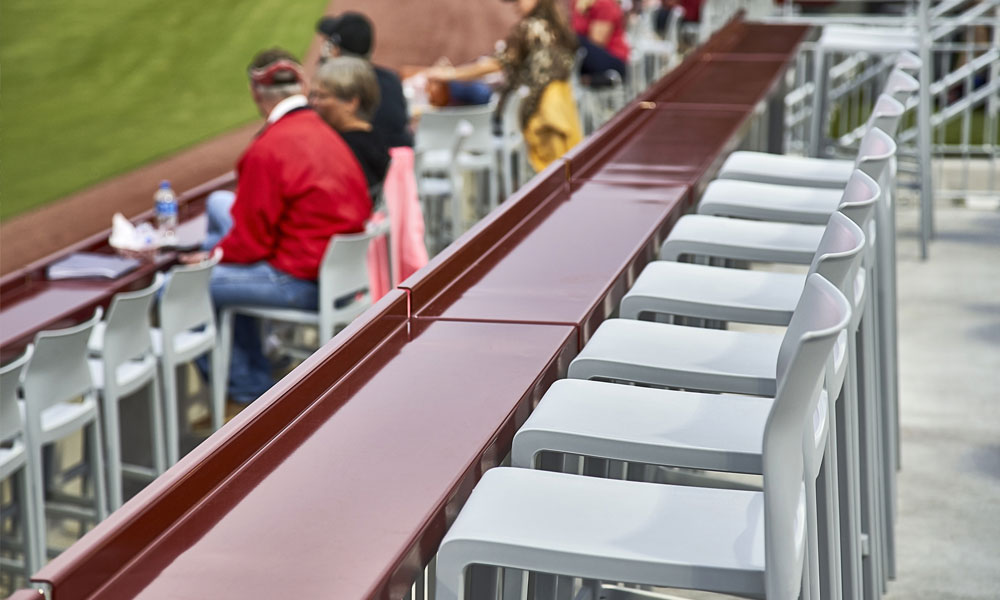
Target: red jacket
{"x":297,"y":185}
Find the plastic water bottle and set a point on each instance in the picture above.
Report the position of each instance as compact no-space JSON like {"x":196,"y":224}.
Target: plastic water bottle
{"x":165,"y":208}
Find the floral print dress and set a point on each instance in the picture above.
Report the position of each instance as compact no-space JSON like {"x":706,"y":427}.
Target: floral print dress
{"x":548,"y":116}
{"x":533,"y":59}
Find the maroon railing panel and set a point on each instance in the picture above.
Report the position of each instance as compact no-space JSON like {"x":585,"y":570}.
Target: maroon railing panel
{"x":381,"y":461}
{"x":454,"y":260}
{"x":692,"y":62}
{"x":757,"y":40}
{"x":569,"y":262}
{"x":726,"y":82}
{"x":131,"y":531}
{"x":676,"y":144}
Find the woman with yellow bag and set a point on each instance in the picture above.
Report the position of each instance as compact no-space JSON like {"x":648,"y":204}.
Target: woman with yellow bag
{"x":538,"y":54}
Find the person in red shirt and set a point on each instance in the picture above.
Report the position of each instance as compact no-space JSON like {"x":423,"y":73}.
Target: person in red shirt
{"x":297,"y":185}
{"x":600,"y":28}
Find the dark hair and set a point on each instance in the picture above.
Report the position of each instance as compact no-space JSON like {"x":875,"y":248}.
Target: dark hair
{"x":352,"y":32}
{"x":550,"y":11}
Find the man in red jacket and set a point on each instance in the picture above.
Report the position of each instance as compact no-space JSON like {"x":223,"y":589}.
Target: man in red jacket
{"x":297,"y":184}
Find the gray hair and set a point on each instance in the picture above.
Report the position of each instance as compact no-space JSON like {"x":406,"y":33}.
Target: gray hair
{"x":278,"y":92}
{"x":350,"y":77}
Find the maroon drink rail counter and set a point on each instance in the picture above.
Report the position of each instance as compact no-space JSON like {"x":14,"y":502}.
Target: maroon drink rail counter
{"x":341,"y":481}
{"x":568,"y":262}
{"x":30,"y":303}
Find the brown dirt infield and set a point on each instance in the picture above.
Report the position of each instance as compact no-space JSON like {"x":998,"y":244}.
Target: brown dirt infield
{"x":407,"y":33}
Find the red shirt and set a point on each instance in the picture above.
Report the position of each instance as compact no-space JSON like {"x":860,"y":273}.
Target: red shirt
{"x":298,"y":184}
{"x":604,"y":10}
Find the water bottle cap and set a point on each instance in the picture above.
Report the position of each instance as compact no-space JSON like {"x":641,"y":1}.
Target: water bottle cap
{"x":164,"y":184}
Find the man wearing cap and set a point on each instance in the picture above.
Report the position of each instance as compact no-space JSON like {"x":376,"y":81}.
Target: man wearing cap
{"x":297,"y":185}
{"x":351,"y":34}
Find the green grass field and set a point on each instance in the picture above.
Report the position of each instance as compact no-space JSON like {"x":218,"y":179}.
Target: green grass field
{"x":94,"y":88}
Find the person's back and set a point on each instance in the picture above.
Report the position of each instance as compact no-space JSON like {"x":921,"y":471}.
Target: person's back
{"x":392,"y":119}
{"x":372,"y":154}
{"x":300,"y":160}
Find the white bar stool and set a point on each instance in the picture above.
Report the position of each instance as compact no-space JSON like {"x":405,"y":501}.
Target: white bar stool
{"x":126,"y":364}
{"x":55,"y":376}
{"x":186,"y":331}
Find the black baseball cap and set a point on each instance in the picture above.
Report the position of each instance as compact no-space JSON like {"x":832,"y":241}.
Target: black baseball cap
{"x":350,"y":31}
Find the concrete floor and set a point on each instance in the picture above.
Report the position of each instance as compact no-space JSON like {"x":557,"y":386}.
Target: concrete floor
{"x":948,"y":529}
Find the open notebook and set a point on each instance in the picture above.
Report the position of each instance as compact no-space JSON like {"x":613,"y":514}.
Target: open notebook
{"x":91,"y":264}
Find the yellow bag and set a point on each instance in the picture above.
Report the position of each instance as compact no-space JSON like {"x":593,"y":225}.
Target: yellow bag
{"x":555,"y":126}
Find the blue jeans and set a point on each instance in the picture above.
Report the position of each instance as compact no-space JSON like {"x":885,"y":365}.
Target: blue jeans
{"x":598,"y":60}
{"x":220,"y":221}
{"x":257,"y":284}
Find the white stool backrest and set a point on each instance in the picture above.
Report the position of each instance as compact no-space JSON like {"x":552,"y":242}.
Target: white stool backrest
{"x":127,"y":328}
{"x":877,"y":147}
{"x":186,"y":302}
{"x":10,"y":381}
{"x":909,"y":61}
{"x":901,"y":85}
{"x":58,"y":370}
{"x":436,"y":129}
{"x":838,"y":256}
{"x":886,"y":114}
{"x":860,"y":198}
{"x":343,"y":278}
{"x":820,"y":317}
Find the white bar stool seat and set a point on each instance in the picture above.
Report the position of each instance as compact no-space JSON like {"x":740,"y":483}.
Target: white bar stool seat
{"x":611,"y":530}
{"x":874,"y":40}
{"x":769,"y":201}
{"x":690,"y":358}
{"x":779,"y":169}
{"x":759,"y":241}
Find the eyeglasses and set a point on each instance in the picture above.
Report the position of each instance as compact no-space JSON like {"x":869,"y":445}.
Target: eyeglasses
{"x":318,"y":95}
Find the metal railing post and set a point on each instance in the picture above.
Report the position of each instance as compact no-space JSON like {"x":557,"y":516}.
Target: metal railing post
{"x":820,"y":104}
{"x":924,"y":132}
{"x":993,"y":109}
